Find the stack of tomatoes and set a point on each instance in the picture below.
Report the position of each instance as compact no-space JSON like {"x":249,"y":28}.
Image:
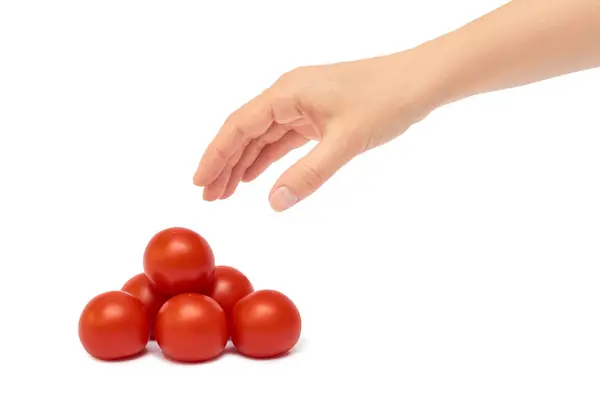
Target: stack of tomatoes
{"x":189,"y":306}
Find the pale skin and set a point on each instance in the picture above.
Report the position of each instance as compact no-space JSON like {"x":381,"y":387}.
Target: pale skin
{"x":352,"y":107}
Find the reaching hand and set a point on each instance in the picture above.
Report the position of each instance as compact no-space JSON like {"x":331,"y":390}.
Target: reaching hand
{"x":348,"y":107}
{"x":351,"y":107}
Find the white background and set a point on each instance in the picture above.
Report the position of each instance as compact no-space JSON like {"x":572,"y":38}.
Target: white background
{"x":459,"y":260}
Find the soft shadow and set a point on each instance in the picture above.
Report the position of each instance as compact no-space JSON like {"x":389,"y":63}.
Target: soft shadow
{"x":230,"y":349}
{"x":301,"y":345}
{"x":161,"y":356}
{"x":124,"y":359}
{"x":153,"y":348}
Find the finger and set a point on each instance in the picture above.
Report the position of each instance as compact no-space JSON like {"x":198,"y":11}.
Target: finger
{"x":304,"y":130}
{"x":215,"y":189}
{"x":248,"y":122}
{"x":310,"y":172}
{"x":273,"y":152}
{"x":273,"y":134}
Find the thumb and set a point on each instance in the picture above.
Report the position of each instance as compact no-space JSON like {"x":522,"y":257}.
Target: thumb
{"x":310,"y":172}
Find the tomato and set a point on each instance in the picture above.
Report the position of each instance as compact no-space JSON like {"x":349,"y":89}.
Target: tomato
{"x":191,"y":328}
{"x":114,"y":325}
{"x":265,"y":324}
{"x":228,"y":286}
{"x":141,"y":287}
{"x":178,"y":260}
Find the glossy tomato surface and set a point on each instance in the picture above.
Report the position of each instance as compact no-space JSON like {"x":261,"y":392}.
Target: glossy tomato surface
{"x":191,"y":328}
{"x":228,"y":286}
{"x":141,"y":287}
{"x":265,"y":324}
{"x":114,"y":325}
{"x":178,"y":260}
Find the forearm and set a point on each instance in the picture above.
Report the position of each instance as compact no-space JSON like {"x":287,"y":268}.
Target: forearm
{"x":520,"y":43}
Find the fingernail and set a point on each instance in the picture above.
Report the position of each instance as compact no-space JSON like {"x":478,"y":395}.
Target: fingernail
{"x":283,"y":198}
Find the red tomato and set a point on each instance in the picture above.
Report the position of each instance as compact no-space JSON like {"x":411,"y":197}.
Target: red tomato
{"x":140,"y":287}
{"x":179,"y":260}
{"x":191,"y":328}
{"x":228,"y":286}
{"x":265,"y":324}
{"x":114,"y":325}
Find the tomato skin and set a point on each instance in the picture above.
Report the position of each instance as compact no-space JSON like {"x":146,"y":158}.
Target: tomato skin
{"x":141,"y":287}
{"x":114,"y":325}
{"x":191,"y":328}
{"x":265,"y":324}
{"x":178,"y":260}
{"x":228,"y":286}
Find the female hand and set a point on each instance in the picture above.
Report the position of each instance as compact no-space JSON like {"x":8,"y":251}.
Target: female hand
{"x":348,"y":107}
{"x":352,"y":107}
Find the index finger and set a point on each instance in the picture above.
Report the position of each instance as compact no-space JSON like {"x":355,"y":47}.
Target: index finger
{"x":248,"y":122}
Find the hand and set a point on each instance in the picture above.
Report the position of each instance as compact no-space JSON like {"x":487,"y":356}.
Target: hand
{"x":348,"y":107}
{"x":352,"y":107}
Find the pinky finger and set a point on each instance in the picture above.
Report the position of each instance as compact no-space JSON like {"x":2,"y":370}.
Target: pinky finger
{"x":273,"y":152}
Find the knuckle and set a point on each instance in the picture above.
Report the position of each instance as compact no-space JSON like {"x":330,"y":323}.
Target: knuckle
{"x":279,"y":94}
{"x":235,"y":127}
{"x":291,"y":77}
{"x":261,"y":143}
{"x":220,"y":153}
{"x":238,"y":132}
{"x":246,"y":142}
{"x":311,"y":177}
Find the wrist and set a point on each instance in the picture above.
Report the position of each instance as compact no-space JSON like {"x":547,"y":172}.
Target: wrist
{"x":451,"y":67}
{"x":421,"y":81}
{"x":440,"y":69}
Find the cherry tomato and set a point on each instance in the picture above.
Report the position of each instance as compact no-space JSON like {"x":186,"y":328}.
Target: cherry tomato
{"x":178,"y":260}
{"x":114,"y":325}
{"x":228,"y":286}
{"x":265,"y":324}
{"x":191,"y":328}
{"x":140,"y":287}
